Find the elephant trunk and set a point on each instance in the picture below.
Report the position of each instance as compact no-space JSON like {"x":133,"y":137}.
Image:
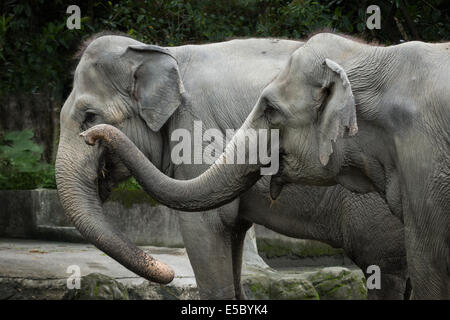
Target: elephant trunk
{"x":76,"y":176}
{"x":220,"y":184}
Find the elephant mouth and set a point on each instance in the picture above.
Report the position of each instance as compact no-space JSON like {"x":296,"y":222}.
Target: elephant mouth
{"x":277,"y":181}
{"x":105,"y":184}
{"x":110,"y":173}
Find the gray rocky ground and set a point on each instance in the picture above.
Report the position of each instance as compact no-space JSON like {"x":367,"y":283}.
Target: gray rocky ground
{"x":32,"y":269}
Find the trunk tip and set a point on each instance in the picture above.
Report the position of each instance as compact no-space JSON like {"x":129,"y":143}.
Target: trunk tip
{"x":157,"y":271}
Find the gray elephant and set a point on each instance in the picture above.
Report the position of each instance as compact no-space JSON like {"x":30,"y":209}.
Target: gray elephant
{"x":148,"y":92}
{"x":397,"y":101}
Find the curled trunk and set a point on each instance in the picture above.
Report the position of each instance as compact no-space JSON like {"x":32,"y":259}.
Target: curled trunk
{"x":76,"y":177}
{"x":77,"y":174}
{"x":218,"y":185}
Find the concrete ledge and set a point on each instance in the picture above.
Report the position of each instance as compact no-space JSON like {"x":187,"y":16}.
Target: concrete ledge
{"x":38,"y":214}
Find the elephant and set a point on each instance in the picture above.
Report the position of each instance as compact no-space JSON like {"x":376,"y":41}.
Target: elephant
{"x":368,"y":118}
{"x":147,"y":92}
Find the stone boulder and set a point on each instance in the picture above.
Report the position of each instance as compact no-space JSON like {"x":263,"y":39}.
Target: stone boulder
{"x":97,"y":286}
{"x":333,"y":283}
{"x":336,"y":283}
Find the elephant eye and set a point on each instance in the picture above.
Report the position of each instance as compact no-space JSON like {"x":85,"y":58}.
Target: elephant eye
{"x":273,"y":114}
{"x":90,"y":117}
{"x":270,"y":111}
{"x":89,"y":120}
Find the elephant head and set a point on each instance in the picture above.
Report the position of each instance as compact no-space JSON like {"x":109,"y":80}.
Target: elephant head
{"x":134,"y":87}
{"x":310,"y":103}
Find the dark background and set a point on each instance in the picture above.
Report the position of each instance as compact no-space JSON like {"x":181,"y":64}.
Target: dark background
{"x":37,"y":49}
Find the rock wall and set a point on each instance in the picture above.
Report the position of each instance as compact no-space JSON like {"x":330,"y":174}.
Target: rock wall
{"x":38,"y":214}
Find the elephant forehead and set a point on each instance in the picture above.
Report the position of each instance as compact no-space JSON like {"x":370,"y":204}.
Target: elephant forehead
{"x":109,"y":44}
{"x":86,"y":76}
{"x":91,"y":78}
{"x":296,"y":71}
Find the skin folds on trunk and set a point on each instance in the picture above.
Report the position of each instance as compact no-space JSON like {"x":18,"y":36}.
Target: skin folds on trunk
{"x":218,"y":185}
{"x":76,"y":176}
{"x":77,"y":167}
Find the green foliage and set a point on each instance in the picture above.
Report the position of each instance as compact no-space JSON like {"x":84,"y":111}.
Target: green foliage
{"x":179,"y":22}
{"x":41,"y":57}
{"x":20,"y":163}
{"x":129,"y":197}
{"x":130,"y":184}
{"x":36,"y":47}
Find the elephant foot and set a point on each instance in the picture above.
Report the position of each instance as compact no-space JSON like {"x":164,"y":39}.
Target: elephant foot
{"x":226,"y":293}
{"x":240,"y":294}
{"x":393,"y":287}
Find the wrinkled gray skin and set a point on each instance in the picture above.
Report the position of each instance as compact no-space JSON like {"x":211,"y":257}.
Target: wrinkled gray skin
{"x":398,"y":96}
{"x":149,"y":91}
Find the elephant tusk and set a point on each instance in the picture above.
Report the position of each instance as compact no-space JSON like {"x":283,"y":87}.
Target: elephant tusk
{"x":272,"y":202}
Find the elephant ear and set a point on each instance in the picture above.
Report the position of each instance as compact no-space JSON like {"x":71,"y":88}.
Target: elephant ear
{"x":338,"y":113}
{"x":157,"y":87}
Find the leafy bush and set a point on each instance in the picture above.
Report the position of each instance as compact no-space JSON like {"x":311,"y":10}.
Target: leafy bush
{"x":36,"y":47}
{"x":20,"y":163}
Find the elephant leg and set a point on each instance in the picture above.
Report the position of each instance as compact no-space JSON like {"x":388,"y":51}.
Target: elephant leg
{"x":386,"y":251}
{"x":375,"y":237}
{"x":392,"y":275}
{"x":237,"y":247}
{"x":430,"y":271}
{"x":393,"y":285}
{"x":208,"y":241}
